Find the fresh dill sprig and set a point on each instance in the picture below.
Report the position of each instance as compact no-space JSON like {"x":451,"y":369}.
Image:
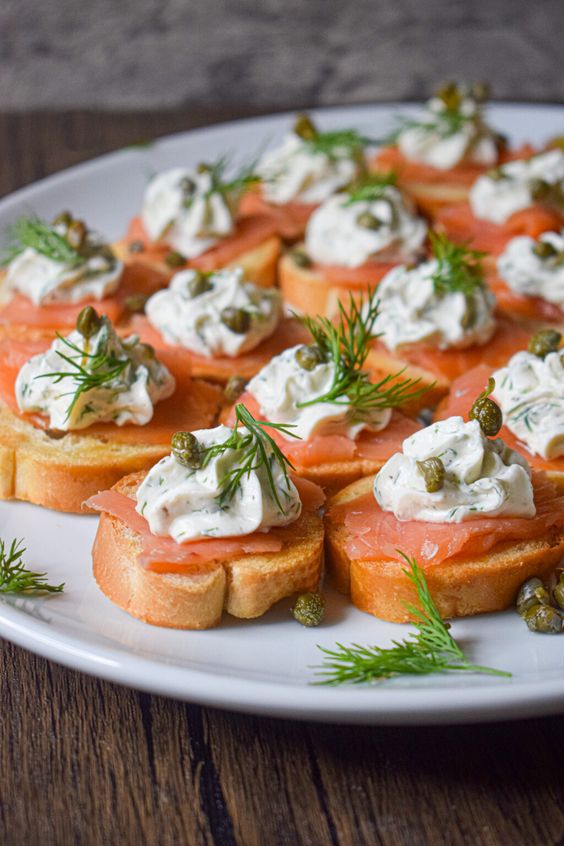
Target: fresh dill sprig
{"x":40,"y":236}
{"x":239,"y":181}
{"x":339,"y":143}
{"x":445,"y":124}
{"x":432,"y":649}
{"x":371,"y":187}
{"x":346,"y":344}
{"x":15,"y":576}
{"x":89,"y":370}
{"x":459,"y":269}
{"x":259,"y":450}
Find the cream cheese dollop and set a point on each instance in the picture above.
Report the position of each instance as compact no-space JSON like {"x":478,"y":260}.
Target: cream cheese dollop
{"x":530,"y":392}
{"x":128,"y":397}
{"x":283,"y":385}
{"x":335,"y":233}
{"x":44,"y":281}
{"x":483,"y":477}
{"x":295,"y":172}
{"x":511,"y":187}
{"x":184,"y":209}
{"x":197,"y":321}
{"x":530,"y":274}
{"x":183,"y":503}
{"x":411,"y":310}
{"x":433,"y":141}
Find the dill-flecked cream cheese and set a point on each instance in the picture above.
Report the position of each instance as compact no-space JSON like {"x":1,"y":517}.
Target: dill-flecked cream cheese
{"x":349,"y":233}
{"x":295,"y":172}
{"x":530,"y":392}
{"x":412,"y":309}
{"x":283,"y":386}
{"x":529,"y":271}
{"x":513,"y":186}
{"x":122,"y":389}
{"x":183,"y":503}
{"x":220,"y":314}
{"x":482,"y":477}
{"x":184,"y":209}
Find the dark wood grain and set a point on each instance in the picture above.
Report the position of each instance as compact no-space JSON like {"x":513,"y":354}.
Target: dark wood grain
{"x":84,"y":761}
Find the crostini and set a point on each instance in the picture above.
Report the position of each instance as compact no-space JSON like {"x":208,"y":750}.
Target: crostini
{"x":440,"y":154}
{"x":340,"y":425}
{"x":466,"y":507}
{"x":78,"y":414}
{"x":436,"y":320}
{"x":304,"y":171}
{"x":218,"y":524}
{"x":190,"y":218}
{"x":220,"y":324}
{"x":352,"y":240}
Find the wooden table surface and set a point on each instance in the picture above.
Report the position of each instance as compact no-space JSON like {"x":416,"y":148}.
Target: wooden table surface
{"x":85,"y":761}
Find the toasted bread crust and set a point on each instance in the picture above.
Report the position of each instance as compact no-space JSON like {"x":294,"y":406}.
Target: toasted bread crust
{"x":246,"y":586}
{"x":306,"y":291}
{"x":62,"y":473}
{"x":259,"y":264}
{"x":461,"y":586}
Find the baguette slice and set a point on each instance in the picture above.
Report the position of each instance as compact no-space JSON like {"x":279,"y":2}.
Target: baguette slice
{"x":61,"y":472}
{"x":259,"y":263}
{"x":460,"y":586}
{"x":245,"y":587}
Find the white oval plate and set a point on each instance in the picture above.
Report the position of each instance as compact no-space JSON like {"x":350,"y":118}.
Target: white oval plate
{"x":262,"y":666}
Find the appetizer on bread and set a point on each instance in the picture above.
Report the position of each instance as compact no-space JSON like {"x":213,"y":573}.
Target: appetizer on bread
{"x":78,"y":414}
{"x":220,"y":523}
{"x":307,"y":168}
{"x":529,"y":389}
{"x":436,"y":320}
{"x":190,"y":218}
{"x":220,"y":324}
{"x":53,"y":270}
{"x":338,"y":425}
{"x":439,"y":154}
{"x":466,"y":506}
{"x":352,"y":240}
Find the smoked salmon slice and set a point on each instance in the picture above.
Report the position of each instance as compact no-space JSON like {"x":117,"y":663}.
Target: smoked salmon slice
{"x":250,"y":232}
{"x":329,"y":449}
{"x":289,"y":219}
{"x":519,"y":305}
{"x":464,"y":391}
{"x":374,"y":533}
{"x":289,"y":333}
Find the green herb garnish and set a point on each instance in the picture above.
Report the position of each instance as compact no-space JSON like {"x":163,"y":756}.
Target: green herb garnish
{"x":339,"y":143}
{"x":431,"y":650}
{"x":15,"y":576}
{"x":34,"y":233}
{"x":459,"y":269}
{"x":259,"y":450}
{"x":370,"y":188}
{"x":238,"y":182}
{"x":346,"y":344}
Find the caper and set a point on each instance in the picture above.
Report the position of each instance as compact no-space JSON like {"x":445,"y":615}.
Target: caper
{"x":88,"y":322}
{"x":558,"y":591}
{"x":532,"y":592}
{"x":305,"y":128}
{"x":496,"y":173}
{"x":480,"y":91}
{"x":368,"y":221}
{"x":544,"y":341}
{"x":187,"y":186}
{"x":236,"y":319}
{"x":147,"y":351}
{"x":540,"y":189}
{"x":544,"y":618}
{"x":557,"y":142}
{"x":469,"y":316}
{"x":544,"y":250}
{"x":450,"y":95}
{"x":76,"y":234}
{"x":186,"y":450}
{"x":487,"y":412}
{"x":301,"y":258}
{"x":137,"y":247}
{"x":63,"y":219}
{"x":433,"y":471}
{"x":203,"y":167}
{"x":199,"y":284}
{"x":309,"y":609}
{"x":136,"y":303}
{"x":234,"y":388}
{"x":175,"y":259}
{"x":308,"y":357}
